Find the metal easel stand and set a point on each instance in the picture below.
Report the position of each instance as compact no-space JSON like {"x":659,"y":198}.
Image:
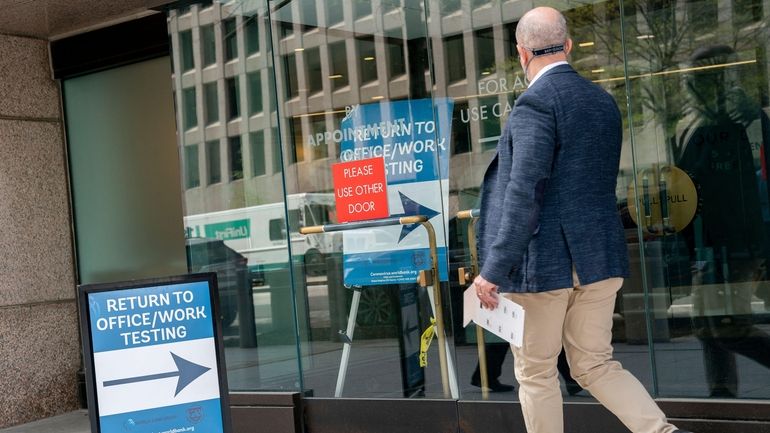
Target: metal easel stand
{"x":449,"y":382}
{"x":466,"y":277}
{"x":347,"y":338}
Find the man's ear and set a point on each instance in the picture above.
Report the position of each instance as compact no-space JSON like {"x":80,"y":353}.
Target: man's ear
{"x":568,"y":46}
{"x":523,"y":54}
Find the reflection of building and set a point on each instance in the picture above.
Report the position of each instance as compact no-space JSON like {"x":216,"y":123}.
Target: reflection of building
{"x":227,"y":109}
{"x":328,"y":56}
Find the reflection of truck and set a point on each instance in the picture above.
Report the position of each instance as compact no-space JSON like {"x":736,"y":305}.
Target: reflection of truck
{"x":259,"y":232}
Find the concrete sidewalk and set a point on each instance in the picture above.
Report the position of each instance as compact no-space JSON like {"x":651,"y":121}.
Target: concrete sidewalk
{"x":72,"y":422}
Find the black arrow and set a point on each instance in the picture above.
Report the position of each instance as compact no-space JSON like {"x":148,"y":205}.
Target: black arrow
{"x":186,"y":370}
{"x":411,"y":207}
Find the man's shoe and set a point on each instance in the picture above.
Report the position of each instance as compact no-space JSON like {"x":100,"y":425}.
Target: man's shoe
{"x":501,"y":387}
{"x":495,"y":386}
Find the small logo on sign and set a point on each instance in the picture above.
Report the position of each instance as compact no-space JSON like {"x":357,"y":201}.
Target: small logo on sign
{"x":418,"y":259}
{"x":195,"y":414}
{"x":129,"y":425}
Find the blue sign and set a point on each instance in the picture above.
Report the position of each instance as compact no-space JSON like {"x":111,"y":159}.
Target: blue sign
{"x":413,"y":138}
{"x":153,"y":356}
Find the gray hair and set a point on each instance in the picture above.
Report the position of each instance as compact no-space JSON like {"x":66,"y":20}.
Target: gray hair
{"x":540,"y":30}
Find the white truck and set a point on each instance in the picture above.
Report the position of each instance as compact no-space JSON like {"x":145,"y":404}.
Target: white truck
{"x":259,"y":232}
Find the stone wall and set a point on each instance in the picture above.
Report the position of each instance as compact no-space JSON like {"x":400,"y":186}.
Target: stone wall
{"x":39,"y":341}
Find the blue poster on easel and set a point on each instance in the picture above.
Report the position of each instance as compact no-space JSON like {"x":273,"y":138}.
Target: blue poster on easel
{"x":413,"y":138}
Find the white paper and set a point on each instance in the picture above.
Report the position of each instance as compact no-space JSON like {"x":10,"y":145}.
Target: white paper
{"x":506,"y":321}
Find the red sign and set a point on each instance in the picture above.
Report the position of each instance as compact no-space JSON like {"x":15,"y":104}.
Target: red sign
{"x":360,"y":190}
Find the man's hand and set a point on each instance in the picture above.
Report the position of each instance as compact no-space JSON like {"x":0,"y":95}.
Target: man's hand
{"x":486,"y":291}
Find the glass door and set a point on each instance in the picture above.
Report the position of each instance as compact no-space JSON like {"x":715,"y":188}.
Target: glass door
{"x":355,"y":92}
{"x":698,"y":81}
{"x":476,"y":67}
{"x":235,"y":208}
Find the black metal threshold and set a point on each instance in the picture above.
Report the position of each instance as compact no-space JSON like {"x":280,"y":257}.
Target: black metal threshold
{"x":292,"y":413}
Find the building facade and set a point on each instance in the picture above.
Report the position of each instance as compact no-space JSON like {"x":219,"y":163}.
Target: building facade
{"x":259,"y":105}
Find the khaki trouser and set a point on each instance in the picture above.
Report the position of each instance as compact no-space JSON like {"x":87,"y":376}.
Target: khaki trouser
{"x":580,"y":318}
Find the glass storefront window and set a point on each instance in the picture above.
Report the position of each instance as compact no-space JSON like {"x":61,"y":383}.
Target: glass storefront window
{"x":690,"y":79}
{"x":483,"y":99}
{"x":700,"y":144}
{"x":226,"y":216}
{"x":374,"y":59}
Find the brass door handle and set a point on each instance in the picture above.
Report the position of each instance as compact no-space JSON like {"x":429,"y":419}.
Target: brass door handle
{"x":425,"y":278}
{"x":465,"y":275}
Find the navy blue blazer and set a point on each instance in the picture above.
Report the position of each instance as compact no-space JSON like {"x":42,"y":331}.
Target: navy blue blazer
{"x":548,"y":198}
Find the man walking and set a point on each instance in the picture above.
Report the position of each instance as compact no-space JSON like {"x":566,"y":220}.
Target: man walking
{"x":550,"y":237}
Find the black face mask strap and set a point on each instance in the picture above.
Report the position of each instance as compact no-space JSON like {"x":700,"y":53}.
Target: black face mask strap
{"x":552,"y":49}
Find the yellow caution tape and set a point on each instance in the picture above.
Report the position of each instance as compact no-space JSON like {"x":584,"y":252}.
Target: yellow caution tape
{"x":425,"y":340}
